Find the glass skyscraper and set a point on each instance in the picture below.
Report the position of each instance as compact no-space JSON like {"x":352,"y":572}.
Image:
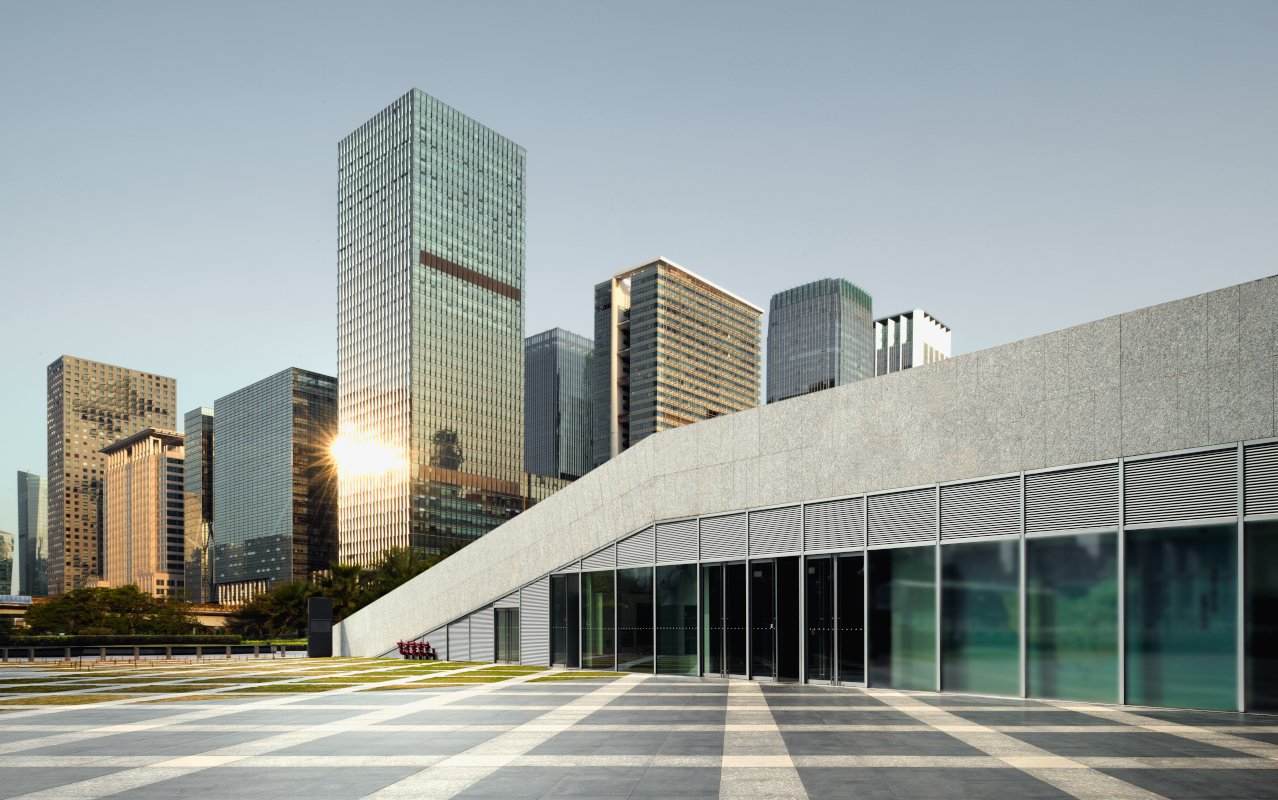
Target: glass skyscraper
{"x":33,"y":536}
{"x":197,"y":494}
{"x":557,"y":404}
{"x":818,"y":338}
{"x":274,"y":483}
{"x":671,"y":348}
{"x":430,"y":329}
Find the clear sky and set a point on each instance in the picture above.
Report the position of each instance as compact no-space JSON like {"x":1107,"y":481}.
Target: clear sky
{"x":168,"y":170}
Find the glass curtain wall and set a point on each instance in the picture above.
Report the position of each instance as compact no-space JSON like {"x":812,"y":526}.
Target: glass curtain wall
{"x":1182,"y":588}
{"x":980,"y":617}
{"x":819,"y":609}
{"x":851,"y":617}
{"x":712,"y":620}
{"x":676,"y":593}
{"x":903,"y":618}
{"x":565,"y":643}
{"x":635,"y":620}
{"x":1262,"y":616}
{"x":598,"y":621}
{"x":763,"y":619}
{"x":1072,"y":617}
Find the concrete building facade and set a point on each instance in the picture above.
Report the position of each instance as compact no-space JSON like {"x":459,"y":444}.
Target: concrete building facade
{"x":1090,"y":514}
{"x":819,"y":337}
{"x":91,"y":405}
{"x":274,"y":483}
{"x":430,"y":329}
{"x":557,"y":404}
{"x":32,"y":571}
{"x":143,"y":535}
{"x":197,"y":491}
{"x":909,"y":339}
{"x":671,"y":349}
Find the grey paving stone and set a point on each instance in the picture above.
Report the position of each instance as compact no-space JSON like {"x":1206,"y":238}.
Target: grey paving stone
{"x":234,"y":783}
{"x":153,"y":743}
{"x":1134,"y":744}
{"x":391,"y":743}
{"x":1203,"y":784}
{"x":15,"y":781}
{"x":855,"y":743}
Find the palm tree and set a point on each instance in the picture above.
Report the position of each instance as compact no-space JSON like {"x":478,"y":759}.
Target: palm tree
{"x":286,"y":608}
{"x":344,"y":587}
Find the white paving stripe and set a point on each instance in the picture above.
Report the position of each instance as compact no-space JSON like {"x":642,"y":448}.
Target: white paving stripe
{"x":756,"y":762}
{"x":1218,"y":737}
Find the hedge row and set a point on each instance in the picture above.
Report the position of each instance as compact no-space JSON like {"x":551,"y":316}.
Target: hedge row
{"x":110,"y":641}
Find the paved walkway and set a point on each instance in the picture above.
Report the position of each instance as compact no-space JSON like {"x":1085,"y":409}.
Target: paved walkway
{"x":630,"y":737}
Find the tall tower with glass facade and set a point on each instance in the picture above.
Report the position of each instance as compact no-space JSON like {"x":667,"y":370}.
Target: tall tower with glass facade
{"x":671,"y":348}
{"x":557,"y":404}
{"x":32,"y":576}
{"x":819,"y":338}
{"x":91,"y":405}
{"x":197,"y":502}
{"x":430,"y":329}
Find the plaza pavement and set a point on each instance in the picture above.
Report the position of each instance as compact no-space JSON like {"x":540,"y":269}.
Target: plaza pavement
{"x":475,"y":731}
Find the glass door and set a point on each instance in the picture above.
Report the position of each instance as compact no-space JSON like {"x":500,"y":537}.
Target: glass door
{"x":712,"y":620}
{"x":850,"y":617}
{"x":819,"y":608}
{"x":763,"y":619}
{"x":735,"y":626}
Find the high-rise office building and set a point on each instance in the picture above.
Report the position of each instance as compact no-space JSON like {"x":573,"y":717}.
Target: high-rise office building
{"x":557,"y":404}
{"x":143,"y":539}
{"x":7,"y":563}
{"x":819,"y":338}
{"x":197,"y":491}
{"x":274,"y":483}
{"x":909,"y":339}
{"x":91,"y":405}
{"x":671,"y":348}
{"x":32,"y":576}
{"x":430,"y":329}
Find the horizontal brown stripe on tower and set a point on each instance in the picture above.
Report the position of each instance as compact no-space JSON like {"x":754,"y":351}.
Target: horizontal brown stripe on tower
{"x":470,"y":276}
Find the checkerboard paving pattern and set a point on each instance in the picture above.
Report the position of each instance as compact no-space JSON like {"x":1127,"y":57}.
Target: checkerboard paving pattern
{"x":630,"y":737}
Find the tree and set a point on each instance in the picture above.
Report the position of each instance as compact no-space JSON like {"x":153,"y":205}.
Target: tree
{"x":344,"y":586}
{"x":123,"y":610}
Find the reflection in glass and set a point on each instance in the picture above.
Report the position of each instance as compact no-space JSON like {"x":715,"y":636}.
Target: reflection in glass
{"x":597,"y":621}
{"x":565,"y":644}
{"x":1071,"y":607}
{"x":734,"y":618}
{"x":1181,"y":617}
{"x":903,"y":618}
{"x":712,"y":620}
{"x":634,"y":619}
{"x":819,"y":594}
{"x":851,"y":618}
{"x":1262,"y":616}
{"x":980,"y":609}
{"x":677,"y":620}
{"x":763,"y":619}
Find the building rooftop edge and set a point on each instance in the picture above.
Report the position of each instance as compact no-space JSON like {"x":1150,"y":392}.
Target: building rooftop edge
{"x":932,"y":316}
{"x":625,"y":273}
{"x":173,"y":437}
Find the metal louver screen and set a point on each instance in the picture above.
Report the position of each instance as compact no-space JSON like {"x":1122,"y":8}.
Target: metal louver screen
{"x":985,"y":508}
{"x":481,"y":635}
{"x":1192,"y":486}
{"x":509,"y":601}
{"x":575,"y":566}
{"x":438,"y":639}
{"x":637,"y":550}
{"x":1086,"y":497}
{"x":834,"y":525}
{"x":1260,"y":489}
{"x":603,"y":559}
{"x":677,"y":541}
{"x":776,"y":530}
{"x":903,"y":517}
{"x":459,"y":640}
{"x":723,"y":537}
{"x":534,"y":623}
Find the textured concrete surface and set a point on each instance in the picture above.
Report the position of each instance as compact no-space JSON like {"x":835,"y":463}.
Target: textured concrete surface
{"x":1189,"y":373}
{"x":634,"y":737}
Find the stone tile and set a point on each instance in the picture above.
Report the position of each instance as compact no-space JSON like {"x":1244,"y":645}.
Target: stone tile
{"x":165,"y":742}
{"x":235,"y":783}
{"x":15,"y":781}
{"x":1137,"y":744}
{"x":390,"y":743}
{"x":923,"y":742}
{"x":1207,"y":784}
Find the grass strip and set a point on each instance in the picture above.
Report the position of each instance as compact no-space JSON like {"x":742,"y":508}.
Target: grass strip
{"x":578,"y":676}
{"x":63,"y":699}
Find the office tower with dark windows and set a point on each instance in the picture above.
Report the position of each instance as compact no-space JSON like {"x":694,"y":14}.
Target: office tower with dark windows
{"x":8,"y":564}
{"x":909,"y":339}
{"x":819,"y":338}
{"x":32,"y":576}
{"x":430,"y":330}
{"x":197,"y":497}
{"x":274,"y":483}
{"x":557,"y":404}
{"x":91,"y":405}
{"x":671,"y":348}
{"x":143,"y":539}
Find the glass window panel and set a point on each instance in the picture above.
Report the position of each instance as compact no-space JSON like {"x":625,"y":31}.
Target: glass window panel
{"x":1181,"y":617}
{"x":712,"y":619}
{"x":820,"y":618}
{"x":980,"y":610}
{"x":763,"y":619}
{"x":564,"y":639}
{"x":634,"y":619}
{"x":598,"y":631}
{"x":903,"y":618}
{"x":1072,"y":617}
{"x":1262,"y":616}
{"x":851,"y":618}
{"x":677,"y":619}
{"x":734,"y":618}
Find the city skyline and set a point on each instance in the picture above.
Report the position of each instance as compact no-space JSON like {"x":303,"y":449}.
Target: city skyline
{"x":1173,"y":208}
